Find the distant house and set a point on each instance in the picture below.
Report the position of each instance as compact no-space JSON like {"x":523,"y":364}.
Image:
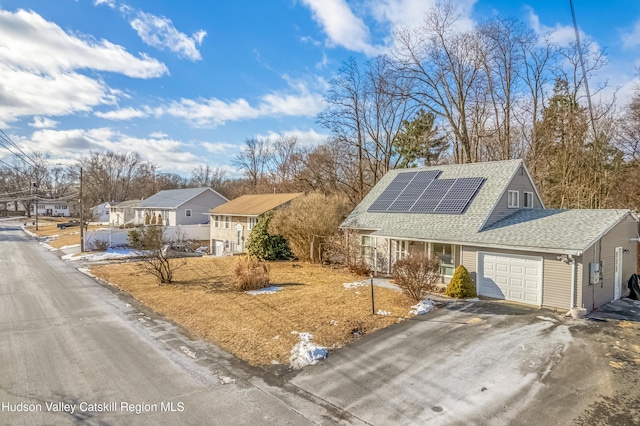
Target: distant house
{"x":177,"y":206}
{"x":61,"y":208}
{"x":231,"y":223}
{"x":122,"y":213}
{"x":100,"y":213}
{"x":490,"y":218}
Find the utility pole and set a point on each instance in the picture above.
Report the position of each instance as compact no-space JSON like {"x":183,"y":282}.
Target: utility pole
{"x":81,"y":216}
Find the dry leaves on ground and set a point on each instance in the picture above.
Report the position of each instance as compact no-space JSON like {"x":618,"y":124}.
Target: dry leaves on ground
{"x":259,"y":328}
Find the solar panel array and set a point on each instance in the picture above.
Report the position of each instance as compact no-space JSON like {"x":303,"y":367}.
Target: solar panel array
{"x":423,"y":192}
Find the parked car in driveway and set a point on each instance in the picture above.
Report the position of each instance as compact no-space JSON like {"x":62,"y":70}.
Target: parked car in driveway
{"x":180,"y":250}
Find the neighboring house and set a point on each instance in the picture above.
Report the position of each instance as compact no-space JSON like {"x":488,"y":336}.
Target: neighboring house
{"x":100,"y":213}
{"x":178,"y":206}
{"x":489,"y":217}
{"x":63,"y":208}
{"x":231,"y":223}
{"x":122,"y":213}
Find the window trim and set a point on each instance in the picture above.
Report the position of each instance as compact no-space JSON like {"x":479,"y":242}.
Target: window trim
{"x":251,"y":222}
{"x":227,"y":222}
{"x":443,"y":265}
{"x":517,"y":204}
{"x":187,"y":212}
{"x":216,"y":221}
{"x":524,"y":200}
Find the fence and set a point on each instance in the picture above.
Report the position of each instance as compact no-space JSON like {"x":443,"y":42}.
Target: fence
{"x":114,"y":237}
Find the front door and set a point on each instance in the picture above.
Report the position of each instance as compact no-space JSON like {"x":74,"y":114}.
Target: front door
{"x":239,"y":238}
{"x":617,"y":277}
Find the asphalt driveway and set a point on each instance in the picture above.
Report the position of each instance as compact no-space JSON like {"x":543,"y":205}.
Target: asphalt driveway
{"x":471,"y":363}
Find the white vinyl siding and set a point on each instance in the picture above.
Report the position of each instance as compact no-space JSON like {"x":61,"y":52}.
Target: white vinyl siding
{"x":514,"y":199}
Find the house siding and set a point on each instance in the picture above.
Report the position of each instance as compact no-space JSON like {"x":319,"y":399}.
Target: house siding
{"x":594,"y":296}
{"x":556,"y":275}
{"x":224,"y":234}
{"x":520,"y":183}
{"x":199,"y":206}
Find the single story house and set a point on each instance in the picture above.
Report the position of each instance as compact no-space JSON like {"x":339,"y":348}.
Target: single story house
{"x":490,"y":218}
{"x":174,"y":207}
{"x":231,"y":223}
{"x":122,"y":213}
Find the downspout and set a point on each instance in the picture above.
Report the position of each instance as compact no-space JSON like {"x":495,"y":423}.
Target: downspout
{"x":574,"y":283}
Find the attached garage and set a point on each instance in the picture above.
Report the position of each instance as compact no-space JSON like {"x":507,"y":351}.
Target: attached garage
{"x":510,"y":277}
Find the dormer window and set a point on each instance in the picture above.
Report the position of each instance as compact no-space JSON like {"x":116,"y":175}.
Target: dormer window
{"x":527,"y":201}
{"x":514,"y":199}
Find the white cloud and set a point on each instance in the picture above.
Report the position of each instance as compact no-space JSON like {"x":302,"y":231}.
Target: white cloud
{"x":632,"y":39}
{"x":159,"y":32}
{"x":563,"y":35}
{"x":122,"y":114}
{"x":167,"y":153}
{"x":411,"y":13}
{"x":43,"y":123}
{"x":219,"y":148}
{"x":213,"y":112}
{"x":39,"y":63}
{"x":305,"y":137}
{"x":158,"y":135}
{"x":110,"y":3}
{"x":342,"y":26}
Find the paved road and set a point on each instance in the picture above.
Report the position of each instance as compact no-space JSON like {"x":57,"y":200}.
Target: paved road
{"x":66,"y":339}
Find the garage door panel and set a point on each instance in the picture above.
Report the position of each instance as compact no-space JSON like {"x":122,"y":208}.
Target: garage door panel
{"x":510,"y":277}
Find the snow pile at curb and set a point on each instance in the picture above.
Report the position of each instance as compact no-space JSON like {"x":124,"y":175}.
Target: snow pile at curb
{"x":306,"y":353}
{"x":110,"y":254}
{"x":47,"y":246}
{"x":266,"y":290}
{"x":69,"y":247}
{"x":422,"y":307}
{"x":356,"y":284}
{"x":29,"y":232}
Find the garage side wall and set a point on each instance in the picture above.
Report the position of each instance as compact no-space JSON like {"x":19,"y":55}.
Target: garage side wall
{"x":597,"y":295}
{"x":556,"y":275}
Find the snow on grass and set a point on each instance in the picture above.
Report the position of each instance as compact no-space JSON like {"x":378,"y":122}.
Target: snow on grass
{"x":422,"y":307}
{"x":70,"y":246}
{"x":355,"y":284}
{"x":543,"y":318}
{"x":110,"y":254}
{"x":381,"y":312}
{"x":306,"y":353}
{"x":473,"y":299}
{"x":266,"y":290}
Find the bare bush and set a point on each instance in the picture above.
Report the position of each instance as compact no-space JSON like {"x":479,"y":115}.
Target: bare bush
{"x":100,"y":245}
{"x":150,"y":240}
{"x":308,"y":221}
{"x":345,"y":248}
{"x":417,"y":274}
{"x":251,"y":274}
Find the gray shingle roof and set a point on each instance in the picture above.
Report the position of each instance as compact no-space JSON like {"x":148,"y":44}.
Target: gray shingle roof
{"x":170,"y":198}
{"x":526,"y":229}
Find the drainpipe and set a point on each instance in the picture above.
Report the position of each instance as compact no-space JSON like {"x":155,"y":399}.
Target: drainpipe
{"x":574,"y":276}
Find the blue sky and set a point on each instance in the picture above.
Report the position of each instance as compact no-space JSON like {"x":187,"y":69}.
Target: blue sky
{"x":185,"y":83}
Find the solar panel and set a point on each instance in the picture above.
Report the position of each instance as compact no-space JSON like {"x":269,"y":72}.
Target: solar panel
{"x":423,"y":192}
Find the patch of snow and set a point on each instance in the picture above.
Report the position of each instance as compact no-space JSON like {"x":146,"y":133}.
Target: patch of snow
{"x":266,"y":290}
{"x":87,"y":272}
{"x":333,"y":322}
{"x":546,"y":319}
{"x":188,"y":352}
{"x":29,"y":232}
{"x":47,"y":246}
{"x":225,"y":380}
{"x":70,"y":246}
{"x":355,"y":284}
{"x":381,"y":312}
{"x":473,"y":299}
{"x":306,"y":353}
{"x":110,"y":254}
{"x":422,"y":307}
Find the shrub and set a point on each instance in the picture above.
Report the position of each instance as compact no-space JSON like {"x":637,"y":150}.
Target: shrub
{"x":251,"y":274}
{"x":345,"y":247}
{"x":146,"y":238}
{"x":265,"y":246}
{"x":417,"y":274}
{"x":100,"y":245}
{"x":461,"y":285}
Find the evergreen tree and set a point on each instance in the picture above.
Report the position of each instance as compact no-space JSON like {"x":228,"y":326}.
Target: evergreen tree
{"x":418,"y":140}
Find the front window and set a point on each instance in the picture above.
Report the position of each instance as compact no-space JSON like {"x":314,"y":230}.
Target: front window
{"x":252,"y":222}
{"x":216,"y":221}
{"x":514,"y":199}
{"x":401,"y":249}
{"x":367,"y":246}
{"x":527,"y":201}
{"x":445,"y":254}
{"x":227,"y":222}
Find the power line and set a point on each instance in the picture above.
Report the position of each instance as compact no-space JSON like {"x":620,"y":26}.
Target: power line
{"x":8,"y":144}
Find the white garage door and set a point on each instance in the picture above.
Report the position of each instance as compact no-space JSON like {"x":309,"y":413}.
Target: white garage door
{"x":510,"y":277}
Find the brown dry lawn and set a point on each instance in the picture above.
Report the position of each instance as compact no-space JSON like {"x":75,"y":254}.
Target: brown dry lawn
{"x":61,"y":237}
{"x":259,"y":328}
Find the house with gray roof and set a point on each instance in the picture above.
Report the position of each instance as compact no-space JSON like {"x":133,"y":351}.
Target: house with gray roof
{"x":122,"y":213}
{"x":174,"y":207}
{"x":490,"y":218}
